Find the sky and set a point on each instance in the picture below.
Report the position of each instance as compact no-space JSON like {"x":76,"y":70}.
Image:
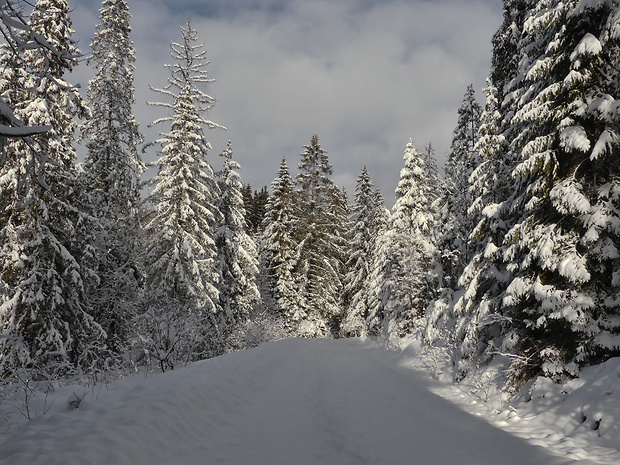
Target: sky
{"x":364,"y":75}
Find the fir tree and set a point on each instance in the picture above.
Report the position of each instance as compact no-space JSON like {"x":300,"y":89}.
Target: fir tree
{"x":483,"y":328}
{"x":238,"y":259}
{"x":180,"y":260}
{"x":113,"y":170}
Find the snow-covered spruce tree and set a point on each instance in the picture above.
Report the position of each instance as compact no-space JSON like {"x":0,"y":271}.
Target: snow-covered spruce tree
{"x":319,"y":229}
{"x":182,"y":301}
{"x":477,"y":310}
{"x":506,"y":43}
{"x":20,"y":37}
{"x":255,"y":208}
{"x":112,"y":173}
{"x":367,"y":220}
{"x":482,"y":328}
{"x":563,"y":250}
{"x":405,"y":277}
{"x":462,"y":160}
{"x":431,"y":170}
{"x":45,"y":322}
{"x":280,"y":248}
{"x":237,"y":255}
{"x":438,"y":197}
{"x":450,"y":200}
{"x":440,"y":319}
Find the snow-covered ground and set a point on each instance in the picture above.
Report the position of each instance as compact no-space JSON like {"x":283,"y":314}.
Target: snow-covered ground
{"x":317,"y":401}
{"x":579,"y":419}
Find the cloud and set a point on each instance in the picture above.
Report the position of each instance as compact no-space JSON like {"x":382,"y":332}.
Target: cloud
{"x":364,"y":75}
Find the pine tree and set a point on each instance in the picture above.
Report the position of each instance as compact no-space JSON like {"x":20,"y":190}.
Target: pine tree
{"x":280,"y":247}
{"x":367,"y":220}
{"x":44,"y":315}
{"x":113,"y":170}
{"x":238,"y":258}
{"x":180,"y":261}
{"x":319,"y":227}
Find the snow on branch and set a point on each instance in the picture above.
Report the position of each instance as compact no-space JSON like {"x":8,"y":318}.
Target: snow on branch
{"x":19,"y":36}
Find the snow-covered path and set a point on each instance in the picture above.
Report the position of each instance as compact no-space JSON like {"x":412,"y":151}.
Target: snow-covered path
{"x":287,"y":402}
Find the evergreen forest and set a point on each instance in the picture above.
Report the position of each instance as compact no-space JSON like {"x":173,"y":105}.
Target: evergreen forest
{"x":510,"y":252}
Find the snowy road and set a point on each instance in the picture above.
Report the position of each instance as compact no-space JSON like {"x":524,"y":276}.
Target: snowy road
{"x":288,"y":402}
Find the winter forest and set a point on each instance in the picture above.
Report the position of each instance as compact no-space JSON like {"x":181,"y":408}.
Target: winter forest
{"x":512,"y":255}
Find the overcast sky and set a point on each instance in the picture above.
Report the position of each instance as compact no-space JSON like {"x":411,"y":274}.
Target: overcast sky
{"x":364,"y":75}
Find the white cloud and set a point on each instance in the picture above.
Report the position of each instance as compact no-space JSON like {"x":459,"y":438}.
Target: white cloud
{"x":363,"y":75}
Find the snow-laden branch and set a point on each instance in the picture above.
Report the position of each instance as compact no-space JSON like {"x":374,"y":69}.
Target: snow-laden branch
{"x":20,"y":37}
{"x":14,"y":128}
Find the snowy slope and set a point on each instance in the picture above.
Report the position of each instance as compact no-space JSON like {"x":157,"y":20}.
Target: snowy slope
{"x":293,"y":401}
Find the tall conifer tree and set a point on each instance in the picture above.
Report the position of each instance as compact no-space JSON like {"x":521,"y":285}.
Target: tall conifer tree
{"x":462,"y":160}
{"x":404,"y":277}
{"x":484,"y":276}
{"x":367,"y":221}
{"x":113,"y":170}
{"x":44,"y":316}
{"x":180,"y":260}
{"x":562,"y":255}
{"x":280,"y":248}
{"x":238,"y":258}
{"x":319,"y":226}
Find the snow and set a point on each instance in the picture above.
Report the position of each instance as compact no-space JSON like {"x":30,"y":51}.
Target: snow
{"x":575,"y":138}
{"x":308,"y":401}
{"x":589,"y":45}
{"x":577,"y":419}
{"x":603,"y":145}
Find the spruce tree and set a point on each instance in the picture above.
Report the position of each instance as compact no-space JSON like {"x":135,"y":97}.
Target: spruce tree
{"x":280,"y":248}
{"x":113,"y":170}
{"x":238,"y":258}
{"x":45,"y":318}
{"x":563,"y":246}
{"x":21,"y":37}
{"x":484,"y":277}
{"x":319,"y":227}
{"x":462,"y":160}
{"x":180,"y":261}
{"x":483,"y":327}
{"x":367,"y":221}
{"x":404,"y":279}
